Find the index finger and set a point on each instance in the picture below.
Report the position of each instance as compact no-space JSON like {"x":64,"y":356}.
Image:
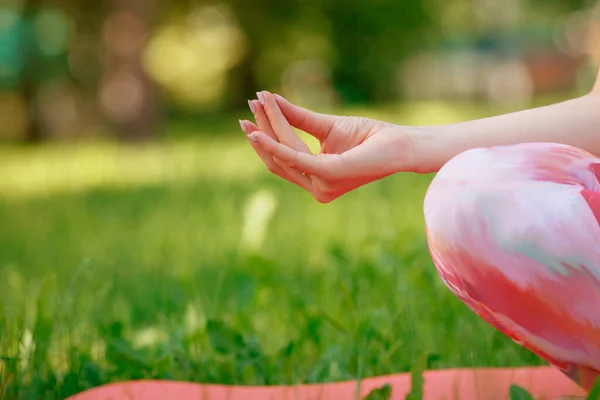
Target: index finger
{"x":326,"y":165}
{"x":264,"y":125}
{"x":284,"y":131}
{"x":315,"y":124}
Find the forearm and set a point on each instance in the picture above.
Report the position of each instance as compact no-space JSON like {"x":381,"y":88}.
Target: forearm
{"x":575,"y":122}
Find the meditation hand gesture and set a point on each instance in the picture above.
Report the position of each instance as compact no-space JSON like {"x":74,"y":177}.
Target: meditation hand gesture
{"x":354,"y":150}
{"x":517,"y":212}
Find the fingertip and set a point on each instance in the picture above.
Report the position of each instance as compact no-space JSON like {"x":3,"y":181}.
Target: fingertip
{"x":251,"y":106}
{"x":272,"y":109}
{"x":270,"y":96}
{"x":247,"y":126}
{"x":261,"y":98}
{"x":256,"y":136}
{"x":258,"y":107}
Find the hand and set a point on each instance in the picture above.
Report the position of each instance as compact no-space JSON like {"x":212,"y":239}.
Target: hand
{"x":354,"y":150}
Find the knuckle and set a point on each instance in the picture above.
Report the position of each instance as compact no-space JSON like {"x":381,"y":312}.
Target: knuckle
{"x":366,"y":120}
{"x":323,"y":198}
{"x":272,"y":168}
{"x":292,"y":161}
{"x":279,"y":163}
{"x":327,"y":167}
{"x":326,"y":176}
{"x":328,"y":190}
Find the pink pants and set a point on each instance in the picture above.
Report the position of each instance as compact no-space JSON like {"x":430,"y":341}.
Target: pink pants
{"x":514,"y":233}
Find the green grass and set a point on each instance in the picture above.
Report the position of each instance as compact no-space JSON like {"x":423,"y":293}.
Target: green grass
{"x":186,"y":260}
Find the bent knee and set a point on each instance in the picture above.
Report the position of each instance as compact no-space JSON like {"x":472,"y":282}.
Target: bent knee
{"x":467,"y":183}
{"x":509,"y":190}
{"x":503,"y":170}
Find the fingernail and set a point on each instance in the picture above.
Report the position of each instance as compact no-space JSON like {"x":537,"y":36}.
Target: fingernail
{"x":252,"y":137}
{"x":242,"y":126}
{"x":261,"y":98}
{"x":281,"y":97}
{"x":251,"y":107}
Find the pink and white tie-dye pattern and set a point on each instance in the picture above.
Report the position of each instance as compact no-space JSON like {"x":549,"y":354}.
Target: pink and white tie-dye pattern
{"x":514,"y":233}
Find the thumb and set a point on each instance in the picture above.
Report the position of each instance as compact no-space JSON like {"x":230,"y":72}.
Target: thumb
{"x":315,"y":124}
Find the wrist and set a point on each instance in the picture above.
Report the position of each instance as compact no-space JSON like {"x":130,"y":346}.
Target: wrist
{"x":426,"y":148}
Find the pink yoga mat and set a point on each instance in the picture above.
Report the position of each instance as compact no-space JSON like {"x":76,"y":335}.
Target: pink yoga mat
{"x":464,"y":384}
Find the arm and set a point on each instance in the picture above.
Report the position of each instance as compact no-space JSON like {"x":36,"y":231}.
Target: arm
{"x":355,"y":151}
{"x":574,"y":122}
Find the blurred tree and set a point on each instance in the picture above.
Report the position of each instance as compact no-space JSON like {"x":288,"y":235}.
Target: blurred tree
{"x":29,"y":82}
{"x":127,"y":94}
{"x":372,"y":38}
{"x":363,"y":41}
{"x":232,"y":48}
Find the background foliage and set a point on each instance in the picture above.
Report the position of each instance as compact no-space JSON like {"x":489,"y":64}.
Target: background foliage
{"x":181,"y":257}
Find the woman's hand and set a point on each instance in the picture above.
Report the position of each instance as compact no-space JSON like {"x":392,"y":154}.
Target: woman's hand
{"x":354,"y":150}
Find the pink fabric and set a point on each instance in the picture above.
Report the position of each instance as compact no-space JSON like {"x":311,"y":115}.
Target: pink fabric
{"x":514,"y":233}
{"x":464,"y":384}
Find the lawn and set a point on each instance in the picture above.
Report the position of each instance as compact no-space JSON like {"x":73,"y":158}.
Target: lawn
{"x":187,"y":260}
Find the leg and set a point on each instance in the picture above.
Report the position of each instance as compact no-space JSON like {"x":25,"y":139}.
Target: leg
{"x":513,"y":233}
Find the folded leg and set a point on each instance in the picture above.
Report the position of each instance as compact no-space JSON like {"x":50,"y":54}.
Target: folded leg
{"x":514,"y":233}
